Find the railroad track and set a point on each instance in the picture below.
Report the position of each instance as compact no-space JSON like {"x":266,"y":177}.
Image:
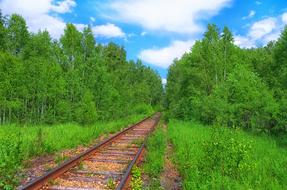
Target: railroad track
{"x":105,"y":166}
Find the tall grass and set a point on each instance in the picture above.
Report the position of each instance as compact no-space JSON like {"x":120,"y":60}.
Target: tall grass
{"x":154,"y":163}
{"x":221,"y":158}
{"x":19,"y":143}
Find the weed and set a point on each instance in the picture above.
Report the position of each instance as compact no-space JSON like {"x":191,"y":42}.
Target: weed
{"x":81,"y":165}
{"x":111,"y":183}
{"x":60,"y":158}
{"x":48,"y":167}
{"x":136,"y":183}
{"x":223,"y":158}
{"x":154,"y":164}
{"x":137,"y":142}
{"x":53,"y":182}
{"x":226,"y":153}
{"x":156,"y":146}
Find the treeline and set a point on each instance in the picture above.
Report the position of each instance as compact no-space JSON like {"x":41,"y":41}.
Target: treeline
{"x":220,"y":83}
{"x":73,"y":79}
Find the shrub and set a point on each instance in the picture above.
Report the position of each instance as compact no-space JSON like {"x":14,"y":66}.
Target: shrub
{"x":225,"y":153}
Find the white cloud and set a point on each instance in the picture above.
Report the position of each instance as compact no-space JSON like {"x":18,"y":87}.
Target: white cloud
{"x":284,"y":18}
{"x":163,"y":81}
{"x":261,"y":32}
{"x":92,"y":19}
{"x":262,"y":27}
{"x":250,"y":15}
{"x":55,"y":26}
{"x":180,"y":16}
{"x":37,"y":13}
{"x":244,"y":42}
{"x":108,"y":30}
{"x":63,"y":6}
{"x":271,"y":37}
{"x":80,"y":26}
{"x":163,"y":57}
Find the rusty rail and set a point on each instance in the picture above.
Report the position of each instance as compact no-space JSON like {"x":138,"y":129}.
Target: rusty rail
{"x":67,"y":165}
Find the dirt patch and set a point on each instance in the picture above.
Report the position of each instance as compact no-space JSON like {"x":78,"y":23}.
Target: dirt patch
{"x":170,"y":178}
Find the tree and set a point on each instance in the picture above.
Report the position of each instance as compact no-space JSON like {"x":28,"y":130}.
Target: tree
{"x":17,"y":34}
{"x":3,"y":32}
{"x":227,"y":46}
{"x":71,"y":42}
{"x":86,"y":112}
{"x":11,"y":72}
{"x":88,"y":42}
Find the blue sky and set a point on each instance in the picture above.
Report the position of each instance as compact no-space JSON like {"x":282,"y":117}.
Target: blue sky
{"x":156,"y":31}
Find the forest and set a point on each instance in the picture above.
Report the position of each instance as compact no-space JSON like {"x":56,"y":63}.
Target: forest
{"x":220,"y":83}
{"x":71,"y":79}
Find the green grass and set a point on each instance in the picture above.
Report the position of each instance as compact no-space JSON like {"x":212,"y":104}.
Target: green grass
{"x":221,"y":158}
{"x":154,"y":163}
{"x":19,"y":143}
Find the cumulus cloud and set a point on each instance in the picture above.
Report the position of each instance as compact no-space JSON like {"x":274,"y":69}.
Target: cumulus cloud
{"x":262,"y":27}
{"x":37,"y":13}
{"x":244,"y":42}
{"x":284,"y":18}
{"x":163,"y":57}
{"x":250,"y":15}
{"x":108,"y":30}
{"x":271,"y":36}
{"x":80,"y":27}
{"x":261,"y":32}
{"x":165,"y":15}
{"x":63,"y":6}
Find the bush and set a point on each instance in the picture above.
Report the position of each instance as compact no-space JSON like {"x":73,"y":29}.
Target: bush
{"x":226,"y":154}
{"x":143,"y":109}
{"x":11,"y":156}
{"x":244,"y":101}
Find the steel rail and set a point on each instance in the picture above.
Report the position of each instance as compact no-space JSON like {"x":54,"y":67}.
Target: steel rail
{"x":39,"y":182}
{"x":126,"y":175}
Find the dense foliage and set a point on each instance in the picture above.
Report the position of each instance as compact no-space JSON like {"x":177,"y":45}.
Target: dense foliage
{"x":74,"y":79}
{"x":220,"y":83}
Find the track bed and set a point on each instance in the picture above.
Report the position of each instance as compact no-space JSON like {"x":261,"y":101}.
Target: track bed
{"x":104,"y":166}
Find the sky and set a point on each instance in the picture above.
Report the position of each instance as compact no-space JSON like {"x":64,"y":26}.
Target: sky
{"x":155,"y":31}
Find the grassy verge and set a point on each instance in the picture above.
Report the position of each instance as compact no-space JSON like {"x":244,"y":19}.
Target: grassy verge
{"x":221,"y":158}
{"x":154,"y":163}
{"x":20,"y":143}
